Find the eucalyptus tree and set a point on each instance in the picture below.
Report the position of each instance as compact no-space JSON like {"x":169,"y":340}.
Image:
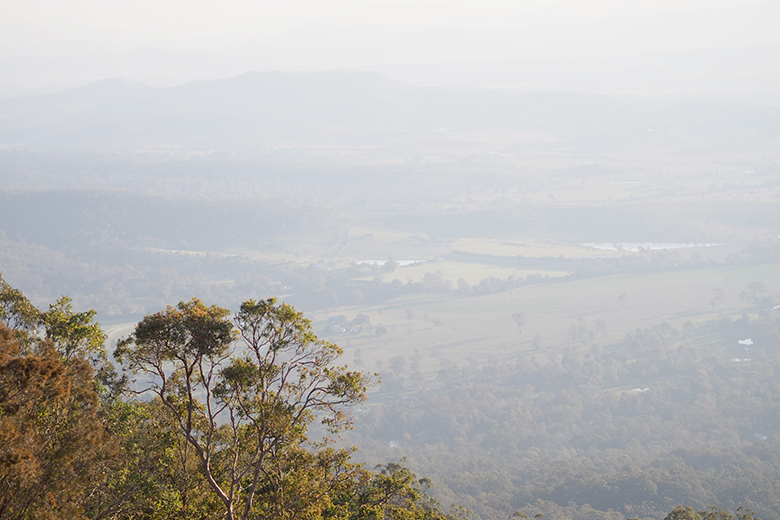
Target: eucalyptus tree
{"x":17,"y":313}
{"x":243,"y":393}
{"x":54,"y":449}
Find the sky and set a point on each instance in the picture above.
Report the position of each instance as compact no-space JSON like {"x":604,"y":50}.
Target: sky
{"x":65,"y":42}
{"x":38,"y":24}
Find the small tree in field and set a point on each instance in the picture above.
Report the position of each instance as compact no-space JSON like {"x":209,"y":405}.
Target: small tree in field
{"x":519,"y":319}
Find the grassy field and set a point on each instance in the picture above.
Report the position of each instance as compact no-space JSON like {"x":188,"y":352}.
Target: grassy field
{"x":470,"y":329}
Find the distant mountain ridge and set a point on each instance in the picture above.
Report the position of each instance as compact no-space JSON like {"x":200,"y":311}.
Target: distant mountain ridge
{"x":333,"y":108}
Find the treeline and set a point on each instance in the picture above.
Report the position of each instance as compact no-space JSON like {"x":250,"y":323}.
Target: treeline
{"x":670,"y":415}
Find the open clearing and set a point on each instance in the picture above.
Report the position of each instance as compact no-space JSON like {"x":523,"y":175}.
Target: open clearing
{"x":474,"y":328}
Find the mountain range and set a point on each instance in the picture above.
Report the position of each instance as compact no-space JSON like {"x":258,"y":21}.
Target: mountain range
{"x":349,"y":108}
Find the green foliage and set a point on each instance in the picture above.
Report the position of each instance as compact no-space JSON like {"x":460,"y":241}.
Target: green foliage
{"x":683,"y":513}
{"x":392,"y":492}
{"x":711,"y":513}
{"x":53,"y":447}
{"x":17,"y":313}
{"x":226,"y":433}
{"x":245,"y":410}
{"x":73,"y":334}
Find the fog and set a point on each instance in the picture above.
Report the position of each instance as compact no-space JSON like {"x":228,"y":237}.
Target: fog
{"x":552,"y":228}
{"x":641,"y":47}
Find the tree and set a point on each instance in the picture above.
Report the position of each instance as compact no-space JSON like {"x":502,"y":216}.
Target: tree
{"x":361,"y":319}
{"x":53,"y":446}
{"x":390,"y":265}
{"x":717,"y":298}
{"x":753,"y":292}
{"x":519,"y":319}
{"x":356,"y":296}
{"x":245,"y":408}
{"x":715,"y":513}
{"x":157,"y":475}
{"x":392,"y":492}
{"x":711,"y":513}
{"x":71,"y":334}
{"x":17,"y":313}
{"x":75,"y":334}
{"x":61,"y":425}
{"x":601,"y":326}
{"x":578,"y":332}
{"x":744,"y":513}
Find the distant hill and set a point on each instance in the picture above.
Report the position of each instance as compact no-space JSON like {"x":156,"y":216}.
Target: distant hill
{"x":339,"y":108}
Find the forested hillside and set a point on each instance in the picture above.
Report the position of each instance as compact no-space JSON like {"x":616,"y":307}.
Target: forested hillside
{"x":672,"y":415}
{"x":224,"y":429}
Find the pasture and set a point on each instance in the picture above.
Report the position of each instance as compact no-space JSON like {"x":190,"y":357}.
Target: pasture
{"x":475,"y":328}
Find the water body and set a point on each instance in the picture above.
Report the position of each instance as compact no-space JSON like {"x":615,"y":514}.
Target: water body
{"x":401,"y":263}
{"x":635,"y":247}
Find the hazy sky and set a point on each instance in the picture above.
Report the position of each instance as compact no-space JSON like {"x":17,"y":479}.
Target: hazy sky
{"x":227,"y":37}
{"x":565,"y":26}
